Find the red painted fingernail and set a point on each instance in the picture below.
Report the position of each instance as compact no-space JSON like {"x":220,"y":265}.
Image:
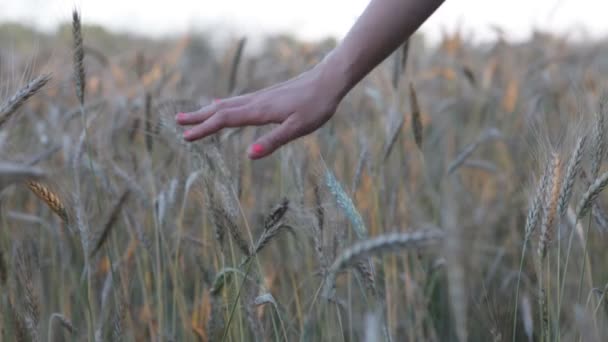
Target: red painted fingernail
{"x":257,"y":148}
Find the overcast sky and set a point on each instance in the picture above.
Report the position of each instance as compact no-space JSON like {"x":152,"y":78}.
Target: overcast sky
{"x":310,"y":19}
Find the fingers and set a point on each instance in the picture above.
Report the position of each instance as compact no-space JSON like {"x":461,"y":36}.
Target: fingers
{"x":207,"y":111}
{"x":276,"y":138}
{"x":233,"y":117}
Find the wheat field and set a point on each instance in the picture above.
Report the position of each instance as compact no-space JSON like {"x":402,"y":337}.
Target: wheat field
{"x":456,"y":195}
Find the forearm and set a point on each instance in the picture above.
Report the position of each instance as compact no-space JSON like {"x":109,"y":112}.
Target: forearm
{"x":383,"y":26}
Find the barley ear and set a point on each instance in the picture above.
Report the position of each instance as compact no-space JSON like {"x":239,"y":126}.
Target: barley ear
{"x":551,"y":203}
{"x":535,"y":209}
{"x":591,"y":195}
{"x":79,"y":72}
{"x":574,"y":166}
{"x":599,"y":145}
{"x":8,"y":108}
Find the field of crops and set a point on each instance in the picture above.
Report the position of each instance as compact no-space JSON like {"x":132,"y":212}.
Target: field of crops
{"x":455,"y":196}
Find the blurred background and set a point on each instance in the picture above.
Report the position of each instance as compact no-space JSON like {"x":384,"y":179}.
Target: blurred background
{"x":313,"y":19}
{"x":133,"y":235}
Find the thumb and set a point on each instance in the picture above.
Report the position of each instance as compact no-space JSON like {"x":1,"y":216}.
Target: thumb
{"x":274,"y":139}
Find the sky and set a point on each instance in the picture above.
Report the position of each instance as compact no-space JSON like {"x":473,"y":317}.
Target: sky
{"x":312,"y":19}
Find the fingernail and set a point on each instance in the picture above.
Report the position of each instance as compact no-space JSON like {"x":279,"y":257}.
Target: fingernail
{"x":257,"y":148}
{"x":180,"y":116}
{"x":216,"y":100}
{"x":187,"y":134}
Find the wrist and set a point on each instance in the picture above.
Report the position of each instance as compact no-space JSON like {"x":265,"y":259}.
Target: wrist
{"x":335,"y":76}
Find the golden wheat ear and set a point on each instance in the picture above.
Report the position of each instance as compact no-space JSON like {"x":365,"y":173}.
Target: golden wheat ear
{"x":48,"y":196}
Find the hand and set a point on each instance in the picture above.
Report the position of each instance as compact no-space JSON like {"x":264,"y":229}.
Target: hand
{"x":300,"y":106}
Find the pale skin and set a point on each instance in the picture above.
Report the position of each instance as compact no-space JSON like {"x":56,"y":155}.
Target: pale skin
{"x":303,"y":104}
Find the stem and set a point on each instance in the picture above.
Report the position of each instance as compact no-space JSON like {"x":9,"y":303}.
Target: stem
{"x":521,"y":265}
{"x":238,"y":295}
{"x":585,"y":243}
{"x":563,"y":284}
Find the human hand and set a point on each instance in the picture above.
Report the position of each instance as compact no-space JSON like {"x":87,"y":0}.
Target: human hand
{"x":300,"y":106}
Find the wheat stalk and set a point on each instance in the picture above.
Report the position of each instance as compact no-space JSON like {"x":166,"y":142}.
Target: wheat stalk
{"x":107,"y":227}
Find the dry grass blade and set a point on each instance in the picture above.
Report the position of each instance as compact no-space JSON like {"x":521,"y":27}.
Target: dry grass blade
{"x":416,"y":120}
{"x":395,"y":125}
{"x":235,"y":64}
{"x":591,"y":195}
{"x":48,"y":196}
{"x":405,"y":49}
{"x":466,"y":153}
{"x":400,"y":63}
{"x":79,"y":73}
{"x":110,"y":223}
{"x":3,"y":269}
{"x":359,"y":170}
{"x":148,"y":120}
{"x":12,"y":105}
